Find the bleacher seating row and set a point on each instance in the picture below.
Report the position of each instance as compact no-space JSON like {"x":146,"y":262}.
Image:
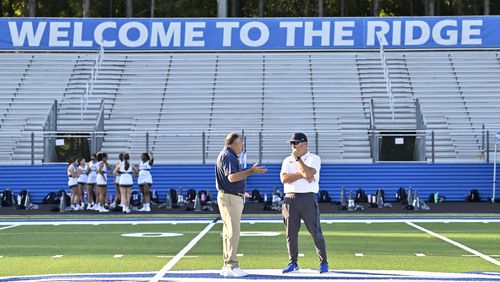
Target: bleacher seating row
{"x":177,"y":96}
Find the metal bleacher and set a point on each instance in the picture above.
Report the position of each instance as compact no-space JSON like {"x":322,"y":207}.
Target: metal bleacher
{"x":29,"y":84}
{"x":176,"y":97}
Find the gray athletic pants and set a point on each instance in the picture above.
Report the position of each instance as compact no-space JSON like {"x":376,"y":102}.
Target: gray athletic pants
{"x":297,"y":206}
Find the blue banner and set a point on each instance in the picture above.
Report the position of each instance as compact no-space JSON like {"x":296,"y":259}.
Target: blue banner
{"x":249,"y":34}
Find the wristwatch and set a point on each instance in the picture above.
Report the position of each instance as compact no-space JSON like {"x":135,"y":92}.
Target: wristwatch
{"x":297,"y":159}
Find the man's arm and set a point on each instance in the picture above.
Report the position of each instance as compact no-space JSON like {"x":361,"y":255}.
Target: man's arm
{"x":240,"y":175}
{"x":306,"y":171}
{"x":290,"y":177}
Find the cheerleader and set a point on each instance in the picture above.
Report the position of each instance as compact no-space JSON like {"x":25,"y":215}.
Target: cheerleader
{"x":117,"y":181}
{"x":91,"y":181}
{"x":82,"y":180}
{"x":102,"y":181}
{"x":145,"y":180}
{"x":125,"y":171}
{"x":73,"y":174}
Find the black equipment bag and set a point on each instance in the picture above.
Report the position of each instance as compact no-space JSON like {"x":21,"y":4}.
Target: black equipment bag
{"x":324,"y":197}
{"x":7,"y":199}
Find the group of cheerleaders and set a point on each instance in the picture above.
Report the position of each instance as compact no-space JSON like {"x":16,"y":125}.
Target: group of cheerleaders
{"x":94,"y":176}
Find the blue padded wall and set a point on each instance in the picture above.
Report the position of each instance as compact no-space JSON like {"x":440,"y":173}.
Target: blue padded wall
{"x":451,"y":180}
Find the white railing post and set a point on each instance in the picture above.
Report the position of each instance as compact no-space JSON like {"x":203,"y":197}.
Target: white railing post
{"x":388,"y":85}
{"x":89,"y":88}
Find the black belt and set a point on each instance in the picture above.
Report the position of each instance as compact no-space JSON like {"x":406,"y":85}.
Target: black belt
{"x":232,"y":193}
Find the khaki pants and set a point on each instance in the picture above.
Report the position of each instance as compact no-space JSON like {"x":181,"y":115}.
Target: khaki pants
{"x":231,"y":208}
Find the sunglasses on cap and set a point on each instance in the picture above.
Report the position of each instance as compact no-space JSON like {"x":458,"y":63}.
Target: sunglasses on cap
{"x":295,"y":142}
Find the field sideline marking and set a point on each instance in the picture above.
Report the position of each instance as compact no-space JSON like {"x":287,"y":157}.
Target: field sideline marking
{"x":182,"y":253}
{"x":472,"y":251}
{"x":208,"y":220}
{"x":7,"y":227}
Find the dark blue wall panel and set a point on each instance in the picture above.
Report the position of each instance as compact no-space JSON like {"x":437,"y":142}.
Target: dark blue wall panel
{"x":451,"y":180}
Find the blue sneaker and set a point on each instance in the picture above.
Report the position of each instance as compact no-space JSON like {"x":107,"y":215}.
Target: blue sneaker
{"x":323,"y":267}
{"x":292,"y":267}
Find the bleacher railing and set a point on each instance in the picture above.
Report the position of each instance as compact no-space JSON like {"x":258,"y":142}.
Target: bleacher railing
{"x":263,"y":147}
{"x":387,"y":78}
{"x":89,"y":88}
{"x":97,"y":140}
{"x":49,"y":144}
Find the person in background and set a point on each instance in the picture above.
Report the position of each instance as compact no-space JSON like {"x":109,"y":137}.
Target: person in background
{"x":91,"y":181}
{"x":73,"y":173}
{"x":102,"y":181}
{"x":82,"y":180}
{"x":230,"y":179}
{"x":117,"y":199}
{"x":300,"y":177}
{"x":145,"y":180}
{"x":125,"y":171}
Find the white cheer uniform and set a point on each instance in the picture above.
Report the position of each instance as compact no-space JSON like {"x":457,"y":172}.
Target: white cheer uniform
{"x":145,"y":173}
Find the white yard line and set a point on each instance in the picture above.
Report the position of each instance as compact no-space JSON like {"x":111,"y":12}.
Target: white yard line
{"x":208,"y":220}
{"x":7,"y":227}
{"x":101,"y":222}
{"x":463,"y":247}
{"x":182,"y":253}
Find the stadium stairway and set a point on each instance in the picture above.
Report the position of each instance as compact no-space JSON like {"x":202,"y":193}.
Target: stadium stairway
{"x":451,"y":180}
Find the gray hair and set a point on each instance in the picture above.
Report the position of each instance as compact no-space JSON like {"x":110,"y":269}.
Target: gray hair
{"x":231,"y":137}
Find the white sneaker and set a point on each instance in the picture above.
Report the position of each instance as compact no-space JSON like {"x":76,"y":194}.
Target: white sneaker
{"x":126,"y":210}
{"x":223,"y":271}
{"x":112,"y":206}
{"x":144,"y":209}
{"x":90,"y":207}
{"x":237,"y":272}
{"x":103,"y":209}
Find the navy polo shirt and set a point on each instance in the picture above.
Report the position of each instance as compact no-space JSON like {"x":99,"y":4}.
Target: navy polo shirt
{"x":228,"y":163}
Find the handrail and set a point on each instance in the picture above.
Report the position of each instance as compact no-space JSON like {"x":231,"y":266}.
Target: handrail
{"x":388,"y":84}
{"x":89,"y":89}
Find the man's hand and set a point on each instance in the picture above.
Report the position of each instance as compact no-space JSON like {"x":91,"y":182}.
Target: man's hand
{"x":258,"y":169}
{"x":297,"y":153}
{"x":240,"y":175}
{"x":247,"y":195}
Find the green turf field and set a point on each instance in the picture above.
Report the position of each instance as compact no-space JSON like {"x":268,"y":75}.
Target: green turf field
{"x":33,"y":249}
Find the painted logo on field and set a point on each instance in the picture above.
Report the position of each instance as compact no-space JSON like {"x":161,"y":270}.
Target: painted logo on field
{"x":151,"y":235}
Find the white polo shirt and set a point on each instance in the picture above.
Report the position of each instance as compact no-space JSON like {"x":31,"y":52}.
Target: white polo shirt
{"x":302,"y":185}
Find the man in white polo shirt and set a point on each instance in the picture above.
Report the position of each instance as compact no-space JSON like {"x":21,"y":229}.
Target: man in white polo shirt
{"x":300,"y":177}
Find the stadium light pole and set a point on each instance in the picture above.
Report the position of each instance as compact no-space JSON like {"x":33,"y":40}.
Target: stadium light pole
{"x":30,"y":9}
{"x":486,"y":7}
{"x":320,"y":8}
{"x":152,"y":8}
{"x":130,"y":9}
{"x":222,"y":8}
{"x":86,"y":7}
{"x":376,"y":9}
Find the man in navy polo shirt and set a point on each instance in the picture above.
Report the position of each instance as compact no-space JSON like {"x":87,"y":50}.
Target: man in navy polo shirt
{"x":231,"y":184}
